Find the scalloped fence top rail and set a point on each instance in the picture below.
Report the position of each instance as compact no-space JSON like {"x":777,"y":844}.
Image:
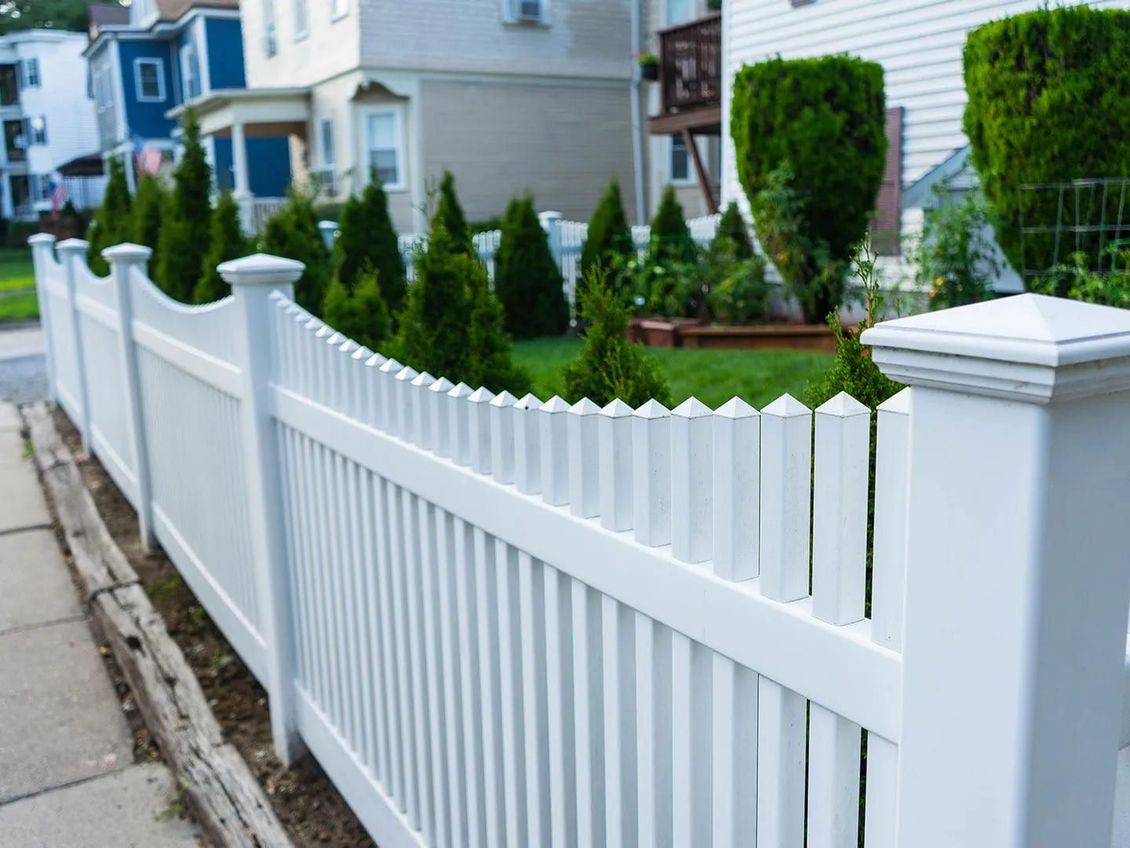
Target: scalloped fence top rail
{"x":501,"y":621}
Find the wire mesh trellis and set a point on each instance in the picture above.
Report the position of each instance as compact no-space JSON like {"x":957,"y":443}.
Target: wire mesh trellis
{"x":1083,"y":223}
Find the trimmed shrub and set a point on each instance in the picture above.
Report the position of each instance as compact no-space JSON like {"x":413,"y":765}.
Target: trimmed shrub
{"x":527,"y":280}
{"x":360,"y":312}
{"x":732,"y":235}
{"x":609,"y":235}
{"x":293,"y":232}
{"x":227,"y":242}
{"x":148,"y":210}
{"x":111,"y":224}
{"x":740,"y":294}
{"x":489,"y":360}
{"x":1049,"y":101}
{"x":609,"y":366}
{"x":449,"y":212}
{"x":366,"y":239}
{"x":670,"y":238}
{"x":822,"y":121}
{"x":186,"y":228}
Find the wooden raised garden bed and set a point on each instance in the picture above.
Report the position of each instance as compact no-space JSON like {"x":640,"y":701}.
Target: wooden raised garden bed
{"x":690,"y":332}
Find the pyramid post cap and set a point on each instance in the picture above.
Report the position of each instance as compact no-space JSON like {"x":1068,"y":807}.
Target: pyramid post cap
{"x":528,"y":401}
{"x":261,"y":269}
{"x":390,"y":366}
{"x":459,"y":390}
{"x":736,"y":408}
{"x":692,"y":407}
{"x":652,"y":409}
{"x":584,"y":407}
{"x":554,"y":405}
{"x":362,"y":353}
{"x":616,"y":408}
{"x":481,"y":395}
{"x":786,"y":406}
{"x":442,"y":384}
{"x":38,"y":239}
{"x":348,"y":346}
{"x":423,"y":380}
{"x":73,"y":245}
{"x":127,"y":252}
{"x":407,"y":374}
{"x":502,"y":399}
{"x":898,"y":403}
{"x":842,"y":405}
{"x":375,"y":361}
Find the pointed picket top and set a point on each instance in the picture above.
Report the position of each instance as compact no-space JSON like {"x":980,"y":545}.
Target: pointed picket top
{"x":459,"y":390}
{"x":313,"y":325}
{"x":616,"y":408}
{"x":898,"y":403}
{"x":692,"y":407}
{"x":584,"y":407}
{"x":653,"y":409}
{"x":390,"y":366}
{"x":407,"y":374}
{"x":736,"y":408}
{"x":347,"y":346}
{"x":322,"y":331}
{"x":786,"y":406}
{"x":362,"y":353}
{"x":503,"y":399}
{"x":529,"y":401}
{"x":334,"y":338}
{"x":842,"y":405}
{"x":554,"y":405}
{"x":376,"y":360}
{"x":441,"y":386}
{"x":481,"y":395}
{"x":423,"y":380}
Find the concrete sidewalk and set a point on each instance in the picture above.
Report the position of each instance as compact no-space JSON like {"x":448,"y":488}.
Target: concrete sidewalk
{"x":67,"y":776}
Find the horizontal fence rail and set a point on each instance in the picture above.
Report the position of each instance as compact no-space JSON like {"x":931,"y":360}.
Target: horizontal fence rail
{"x":503,"y":621}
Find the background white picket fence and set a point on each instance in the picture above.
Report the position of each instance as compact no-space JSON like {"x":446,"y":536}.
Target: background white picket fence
{"x":502,"y":622}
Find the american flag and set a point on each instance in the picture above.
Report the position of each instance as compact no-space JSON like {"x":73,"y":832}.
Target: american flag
{"x":58,"y":192}
{"x":147,"y":157}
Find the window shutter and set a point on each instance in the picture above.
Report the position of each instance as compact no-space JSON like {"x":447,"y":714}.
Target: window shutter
{"x":888,"y":204}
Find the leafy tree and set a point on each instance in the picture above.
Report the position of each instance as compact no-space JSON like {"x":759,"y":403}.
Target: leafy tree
{"x":359,"y":313}
{"x":822,"y":120}
{"x":609,"y":366}
{"x":227,"y":242}
{"x":293,"y":232}
{"x":670,"y":238}
{"x":1049,"y":101}
{"x":609,"y":235}
{"x":186,"y":229}
{"x":111,"y":224}
{"x":449,"y":212}
{"x":526,"y":277}
{"x":732,"y":234}
{"x":148,"y":209}
{"x":16,"y":15}
{"x":366,"y":239}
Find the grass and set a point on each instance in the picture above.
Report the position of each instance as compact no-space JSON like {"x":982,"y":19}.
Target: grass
{"x":713,"y":376}
{"x":16,"y":274}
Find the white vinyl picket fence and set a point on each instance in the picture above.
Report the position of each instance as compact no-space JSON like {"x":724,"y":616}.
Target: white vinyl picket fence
{"x":508,"y":622}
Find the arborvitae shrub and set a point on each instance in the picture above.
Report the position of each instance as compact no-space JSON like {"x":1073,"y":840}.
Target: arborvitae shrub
{"x":366,"y":238}
{"x":111,"y":224}
{"x":526,"y":278}
{"x":1049,"y":101}
{"x":449,"y":213}
{"x":732,"y":235}
{"x":293,"y":232}
{"x":148,"y":210}
{"x":489,"y":360}
{"x":361,"y":313}
{"x":609,"y":366}
{"x":186,"y":228}
{"x":609,"y":236}
{"x":823,"y":120}
{"x":670,"y":238}
{"x":227,"y":242}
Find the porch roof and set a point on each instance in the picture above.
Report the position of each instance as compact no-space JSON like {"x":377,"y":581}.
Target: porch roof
{"x":261,"y":111}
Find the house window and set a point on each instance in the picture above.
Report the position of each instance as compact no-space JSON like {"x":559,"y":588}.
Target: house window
{"x":149,"y":79}
{"x":270,"y":32}
{"x":300,"y":22}
{"x":37,"y":130}
{"x":40,"y":188}
{"x":29,"y":73}
{"x":382,"y":131}
{"x":338,"y":9}
{"x":680,"y":160}
{"x":190,"y":71}
{"x":327,"y":173}
{"x":678,"y":11}
{"x":524,"y":11}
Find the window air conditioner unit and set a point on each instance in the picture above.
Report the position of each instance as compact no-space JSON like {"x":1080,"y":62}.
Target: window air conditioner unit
{"x":529,"y":10}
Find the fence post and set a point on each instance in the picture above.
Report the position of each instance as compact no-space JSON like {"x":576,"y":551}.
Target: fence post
{"x":252,"y":279}
{"x":551,"y":223}
{"x":40,"y":244}
{"x":70,"y":253}
{"x":1017,"y":583}
{"x":125,"y":260}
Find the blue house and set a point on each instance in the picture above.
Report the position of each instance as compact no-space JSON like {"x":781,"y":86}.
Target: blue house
{"x":166,"y":55}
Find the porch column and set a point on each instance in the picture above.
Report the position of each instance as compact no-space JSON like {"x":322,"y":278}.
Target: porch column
{"x":242,"y":188}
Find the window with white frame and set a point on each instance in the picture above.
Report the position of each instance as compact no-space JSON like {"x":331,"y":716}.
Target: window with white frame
{"x":103,"y":98}
{"x":680,"y":164}
{"x":37,"y":129}
{"x":525,"y":11}
{"x":383,"y":141}
{"x":189,"y":71}
{"x":149,"y":80}
{"x":338,"y":9}
{"x":678,"y":11}
{"x":40,"y":188}
{"x":29,"y":73}
{"x":270,"y":31}
{"x":300,"y":19}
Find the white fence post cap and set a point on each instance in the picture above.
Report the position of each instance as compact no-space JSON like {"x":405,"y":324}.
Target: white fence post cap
{"x":127,"y":252}
{"x":1028,"y":347}
{"x":261,"y":269}
{"x":40,"y":238}
{"x":73,"y":244}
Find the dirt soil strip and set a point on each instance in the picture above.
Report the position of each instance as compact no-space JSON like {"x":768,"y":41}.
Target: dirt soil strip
{"x":228,"y":800}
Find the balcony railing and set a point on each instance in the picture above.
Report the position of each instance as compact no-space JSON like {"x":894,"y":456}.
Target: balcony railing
{"x":690,"y":64}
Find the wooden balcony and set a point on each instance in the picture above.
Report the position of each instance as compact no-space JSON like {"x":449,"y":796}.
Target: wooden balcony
{"x":690,"y":78}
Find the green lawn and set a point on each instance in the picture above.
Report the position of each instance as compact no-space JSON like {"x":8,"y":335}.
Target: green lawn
{"x":17,"y":286}
{"x":713,"y":376}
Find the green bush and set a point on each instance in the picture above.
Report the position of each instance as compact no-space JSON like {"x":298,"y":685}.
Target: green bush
{"x":293,"y":232}
{"x":666,"y":289}
{"x":111,"y":224}
{"x":823,"y":122}
{"x":489,"y":360}
{"x":148,"y":209}
{"x":609,"y":366}
{"x":366,"y":239}
{"x":732,"y":235}
{"x":741,"y":294}
{"x":186,"y":225}
{"x":1079,"y":281}
{"x":1049,"y":101}
{"x":360,"y":313}
{"x":670,"y":238}
{"x":449,"y":213}
{"x":955,"y":257}
{"x":609,"y":236}
{"x":227,"y":242}
{"x":526,"y":277}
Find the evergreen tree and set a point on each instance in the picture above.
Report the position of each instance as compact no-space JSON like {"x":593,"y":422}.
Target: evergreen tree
{"x":670,"y":238}
{"x":449,"y":212}
{"x":366,"y":238}
{"x":293,"y":233}
{"x":227,"y":242}
{"x":186,"y":231}
{"x":488,"y":355}
{"x":526,"y":278}
{"x":111,"y":224}
{"x":361,"y":313}
{"x":609,"y":235}
{"x":732,"y":236}
{"x":148,"y":210}
{"x":609,"y":366}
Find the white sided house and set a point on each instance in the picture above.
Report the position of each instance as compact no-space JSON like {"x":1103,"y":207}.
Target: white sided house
{"x":509,"y":95}
{"x":48,"y":119}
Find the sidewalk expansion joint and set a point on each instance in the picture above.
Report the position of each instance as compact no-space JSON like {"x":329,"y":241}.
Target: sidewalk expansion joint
{"x":38,"y":625}
{"x":10,"y":531}
{"x":35,"y":793}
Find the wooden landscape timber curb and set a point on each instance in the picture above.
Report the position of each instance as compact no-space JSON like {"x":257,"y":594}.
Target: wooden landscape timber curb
{"x":228,"y":801}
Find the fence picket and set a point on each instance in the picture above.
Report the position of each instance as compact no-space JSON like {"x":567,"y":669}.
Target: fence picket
{"x":459,"y":415}
{"x":780,"y":766}
{"x":512,"y":705}
{"x":692,"y":485}
{"x":786,"y":483}
{"x":486,"y":615}
{"x":392,"y":686}
{"x":469,"y":661}
{"x":651,"y":476}
{"x":584,"y":458}
{"x":653,"y":732}
{"x":454,"y":683}
{"x":588,"y":697}
{"x":554,"y":451}
{"x":479,"y":429}
{"x":833,"y":780}
{"x":527,"y":445}
{"x":532,"y":619}
{"x":888,"y":575}
{"x":616,"y":502}
{"x":737,"y":473}
{"x":735,"y":754}
{"x":429,"y":609}
{"x":387,"y":416}
{"x":422,"y":404}
{"x":441,"y":419}
{"x":618,"y":665}
{"x":502,"y":436}
{"x":559,"y":700}
{"x":691,"y":742}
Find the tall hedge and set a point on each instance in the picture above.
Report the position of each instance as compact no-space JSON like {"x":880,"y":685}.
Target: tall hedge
{"x":186,"y":228}
{"x":823,"y":120}
{"x":732,"y":235}
{"x":367,"y":240}
{"x":293,"y":232}
{"x":526,"y":278}
{"x":227,"y":243}
{"x":670,"y":237}
{"x":148,"y":211}
{"x":1049,"y":101}
{"x":609,"y":235}
{"x":449,"y":213}
{"x":112,"y":223}
{"x":360,"y":311}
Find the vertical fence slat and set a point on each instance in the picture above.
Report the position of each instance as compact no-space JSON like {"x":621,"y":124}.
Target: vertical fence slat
{"x":588,"y":680}
{"x":554,"y":451}
{"x":833,"y":780}
{"x":737,"y":476}
{"x":469,"y":663}
{"x":531,"y":599}
{"x":453,"y":677}
{"x":786,"y":484}
{"x":441,"y":420}
{"x":512,"y":708}
{"x":479,"y":419}
{"x":735,"y":754}
{"x":413,"y":619}
{"x":429,"y":605}
{"x":395,"y":747}
{"x":888,"y":569}
{"x":422,"y":404}
{"x":882,"y":793}
{"x":389,"y":411}
{"x":527,"y":445}
{"x":486,"y":610}
{"x":502,"y":445}
{"x":691,"y":742}
{"x":651,"y":482}
{"x":405,"y":402}
{"x":559,"y":701}
{"x":459,"y":418}
{"x":619,"y":664}
{"x":584,"y":458}
{"x":780,"y":766}
{"x":692,"y":485}
{"x":653,"y":732}
{"x":616,"y":503}
{"x":377,"y":736}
